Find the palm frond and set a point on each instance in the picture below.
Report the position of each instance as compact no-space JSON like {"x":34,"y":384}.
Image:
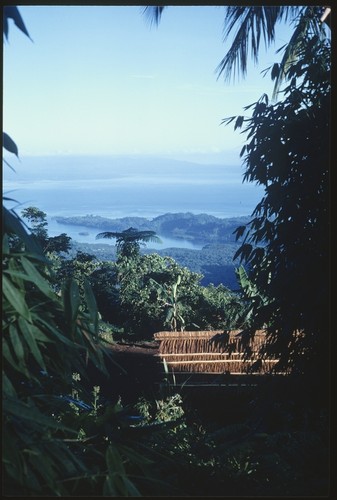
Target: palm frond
{"x":107,"y":235}
{"x":251,"y":23}
{"x":148,"y":236}
{"x":306,"y":21}
{"x":154,"y":13}
{"x":130,"y":235}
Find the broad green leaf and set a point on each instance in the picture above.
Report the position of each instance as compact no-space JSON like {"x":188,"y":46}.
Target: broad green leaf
{"x":134,"y":456}
{"x":91,"y":302}
{"x":118,"y":480}
{"x":7,"y":354}
{"x":31,"y":342}
{"x":45,"y":466}
{"x":30,"y":479}
{"x":59,"y":335}
{"x":16,"y":343}
{"x":66,"y":457}
{"x":71,"y":297}
{"x":36,"y":278}
{"x":15,"y":298}
{"x":114,"y":461}
{"x":7,"y":386}
{"x":12,"y":458}
{"x":32,"y":414}
{"x":38,"y":333}
{"x":109,"y":489}
{"x":5,"y":244}
{"x":131,"y":488}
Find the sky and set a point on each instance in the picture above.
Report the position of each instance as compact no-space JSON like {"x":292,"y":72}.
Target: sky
{"x":101,"y":80}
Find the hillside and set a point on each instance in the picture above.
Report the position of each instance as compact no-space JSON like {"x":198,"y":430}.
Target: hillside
{"x":214,"y":261}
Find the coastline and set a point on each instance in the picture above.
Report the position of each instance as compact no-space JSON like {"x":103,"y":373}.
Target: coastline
{"x":177,"y":230}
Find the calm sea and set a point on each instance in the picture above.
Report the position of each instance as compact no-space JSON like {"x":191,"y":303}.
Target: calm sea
{"x":126,"y":186}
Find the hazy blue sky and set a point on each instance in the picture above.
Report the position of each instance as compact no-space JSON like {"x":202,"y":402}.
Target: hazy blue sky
{"x":101,"y":80}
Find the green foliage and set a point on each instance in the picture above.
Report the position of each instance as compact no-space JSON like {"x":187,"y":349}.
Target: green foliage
{"x":214,"y":262}
{"x":140,"y":281}
{"x":39,"y":229}
{"x":156,"y":293}
{"x":142,"y":295}
{"x":251,"y":296}
{"x":160,"y":410}
{"x":168,"y":297}
{"x":79,"y":269}
{"x":286,"y":245}
{"x":220,"y":308}
{"x":59,"y":440}
{"x":43,"y":342}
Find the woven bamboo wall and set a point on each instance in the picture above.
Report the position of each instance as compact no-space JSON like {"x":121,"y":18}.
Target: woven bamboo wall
{"x":208,"y":352}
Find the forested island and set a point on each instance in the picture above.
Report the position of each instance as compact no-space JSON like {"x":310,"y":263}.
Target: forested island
{"x":214,"y":261}
{"x":200,"y":229}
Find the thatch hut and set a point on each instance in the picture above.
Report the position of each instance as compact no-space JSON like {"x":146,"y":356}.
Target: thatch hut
{"x":213,"y":352}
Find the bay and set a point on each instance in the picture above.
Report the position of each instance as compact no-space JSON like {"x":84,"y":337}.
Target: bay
{"x":122,"y":186}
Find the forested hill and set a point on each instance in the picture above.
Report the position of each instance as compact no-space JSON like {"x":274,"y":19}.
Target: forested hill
{"x":200,"y":229}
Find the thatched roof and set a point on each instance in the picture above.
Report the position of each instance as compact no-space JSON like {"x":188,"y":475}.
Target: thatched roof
{"x":213,"y":351}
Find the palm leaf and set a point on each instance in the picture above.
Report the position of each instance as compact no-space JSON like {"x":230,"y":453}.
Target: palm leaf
{"x":154,"y":13}
{"x":12,"y":12}
{"x":294,"y":47}
{"x":251,"y":23}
